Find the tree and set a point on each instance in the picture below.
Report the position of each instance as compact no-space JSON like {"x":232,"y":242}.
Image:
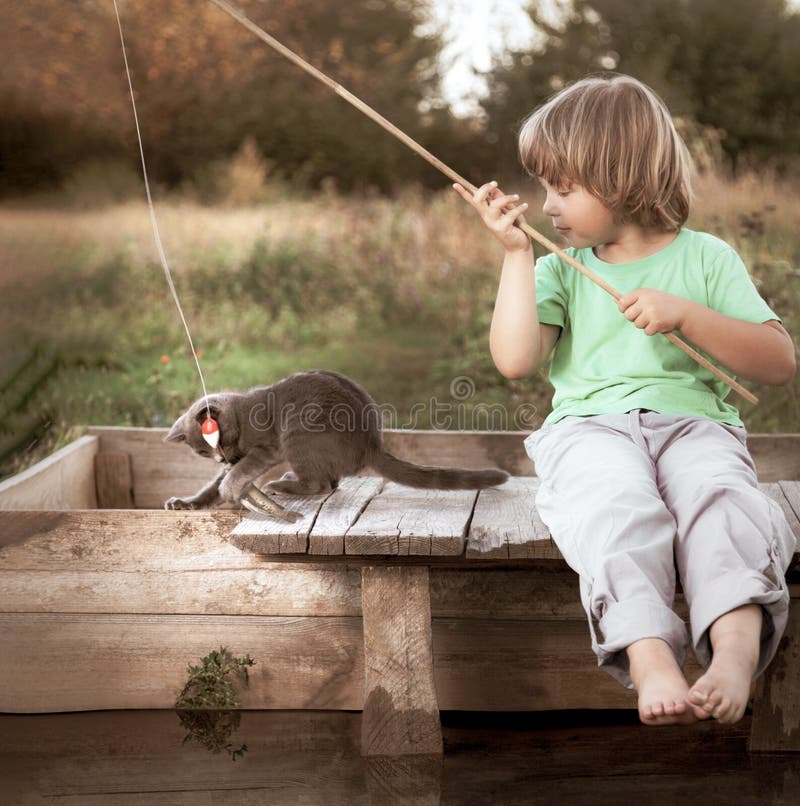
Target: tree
{"x":204,"y":83}
{"x":730,"y":65}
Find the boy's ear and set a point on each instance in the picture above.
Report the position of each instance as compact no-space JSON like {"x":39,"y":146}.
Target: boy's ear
{"x":176,"y":433}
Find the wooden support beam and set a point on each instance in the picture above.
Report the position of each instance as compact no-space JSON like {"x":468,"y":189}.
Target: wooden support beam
{"x":401,"y":711}
{"x":404,"y":781}
{"x":114,"y":480}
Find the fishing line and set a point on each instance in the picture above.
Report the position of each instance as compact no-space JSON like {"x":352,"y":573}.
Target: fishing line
{"x":159,"y":246}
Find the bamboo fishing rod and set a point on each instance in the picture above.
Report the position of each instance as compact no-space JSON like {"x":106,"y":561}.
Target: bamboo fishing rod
{"x":355,"y":101}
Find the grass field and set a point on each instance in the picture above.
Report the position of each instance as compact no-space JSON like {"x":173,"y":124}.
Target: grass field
{"x":396,"y":293}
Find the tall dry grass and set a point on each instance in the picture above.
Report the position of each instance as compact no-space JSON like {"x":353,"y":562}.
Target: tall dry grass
{"x":397,"y":292}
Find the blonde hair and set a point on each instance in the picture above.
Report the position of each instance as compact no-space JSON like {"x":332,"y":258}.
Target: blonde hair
{"x":614,"y":137}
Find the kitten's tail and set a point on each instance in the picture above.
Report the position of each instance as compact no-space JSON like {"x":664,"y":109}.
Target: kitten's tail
{"x":434,"y":478}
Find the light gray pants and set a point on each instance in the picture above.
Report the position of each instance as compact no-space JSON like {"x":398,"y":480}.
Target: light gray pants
{"x":630,"y":497}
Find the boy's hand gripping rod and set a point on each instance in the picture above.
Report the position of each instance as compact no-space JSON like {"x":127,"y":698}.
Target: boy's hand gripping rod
{"x":449,"y":172}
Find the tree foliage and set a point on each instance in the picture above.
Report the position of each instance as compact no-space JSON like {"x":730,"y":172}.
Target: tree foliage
{"x":204,"y":84}
{"x":732,"y":66}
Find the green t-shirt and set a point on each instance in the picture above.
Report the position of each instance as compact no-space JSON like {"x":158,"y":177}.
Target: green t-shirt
{"x":604,"y":364}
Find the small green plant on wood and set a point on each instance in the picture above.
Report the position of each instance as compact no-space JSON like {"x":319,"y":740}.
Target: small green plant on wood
{"x":208,"y":704}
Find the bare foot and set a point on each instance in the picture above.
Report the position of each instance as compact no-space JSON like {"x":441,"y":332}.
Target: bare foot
{"x":723,"y":691}
{"x":659,"y":681}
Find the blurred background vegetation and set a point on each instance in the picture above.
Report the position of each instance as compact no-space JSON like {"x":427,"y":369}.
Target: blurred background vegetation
{"x":301,"y":234}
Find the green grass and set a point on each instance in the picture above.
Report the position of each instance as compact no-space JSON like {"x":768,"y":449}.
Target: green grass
{"x":396,"y":294}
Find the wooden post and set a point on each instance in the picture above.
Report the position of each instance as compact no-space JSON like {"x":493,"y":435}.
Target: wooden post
{"x":114,"y":480}
{"x":401,"y":712}
{"x":776,"y":710}
{"x":404,"y":781}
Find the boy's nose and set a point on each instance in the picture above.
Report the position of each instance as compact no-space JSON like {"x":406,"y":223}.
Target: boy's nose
{"x":549,"y":208}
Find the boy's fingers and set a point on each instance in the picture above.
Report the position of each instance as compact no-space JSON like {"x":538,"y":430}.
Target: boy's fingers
{"x":504,"y":201}
{"x":484,"y":192}
{"x":515,"y":213}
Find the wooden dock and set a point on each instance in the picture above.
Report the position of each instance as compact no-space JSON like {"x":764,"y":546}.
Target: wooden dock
{"x":391,"y":601}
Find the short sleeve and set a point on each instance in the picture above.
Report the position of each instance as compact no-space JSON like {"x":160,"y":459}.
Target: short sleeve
{"x":732,"y":292}
{"x":551,"y":296}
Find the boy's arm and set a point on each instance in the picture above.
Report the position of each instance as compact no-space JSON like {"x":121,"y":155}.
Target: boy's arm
{"x":759,"y":352}
{"x":519,"y":344}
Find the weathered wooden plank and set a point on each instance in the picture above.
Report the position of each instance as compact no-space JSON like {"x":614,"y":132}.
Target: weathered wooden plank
{"x":545,"y":592}
{"x":272,"y":589}
{"x":506,"y":524}
{"x":782,"y":493}
{"x":283,"y":589}
{"x":465,"y":448}
{"x":325,"y":520}
{"x":113,"y":480}
{"x":340,"y":512}
{"x":64,"y":480}
{"x":776,"y":456}
{"x":548,"y":592}
{"x":267,"y":535}
{"x":522,"y":666}
{"x":776,"y":711}
{"x":401,"y":715}
{"x":60,"y":662}
{"x":791,"y":492}
{"x":95,"y":540}
{"x":406,"y":521}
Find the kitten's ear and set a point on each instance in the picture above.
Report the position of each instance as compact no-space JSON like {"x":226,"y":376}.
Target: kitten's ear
{"x":177,"y":432}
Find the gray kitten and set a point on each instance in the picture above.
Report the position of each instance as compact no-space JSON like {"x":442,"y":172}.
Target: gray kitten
{"x":322,"y":424}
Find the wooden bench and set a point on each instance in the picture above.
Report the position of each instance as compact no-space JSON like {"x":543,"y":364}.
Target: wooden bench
{"x":394,"y":601}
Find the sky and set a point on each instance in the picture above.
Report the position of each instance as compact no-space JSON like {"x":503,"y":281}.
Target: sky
{"x":474,"y":30}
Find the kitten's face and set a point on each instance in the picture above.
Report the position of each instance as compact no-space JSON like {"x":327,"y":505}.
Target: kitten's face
{"x":187,"y":428}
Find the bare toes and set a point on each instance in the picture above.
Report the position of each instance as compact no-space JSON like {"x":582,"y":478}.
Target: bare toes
{"x":697,"y":697}
{"x":681,"y":706}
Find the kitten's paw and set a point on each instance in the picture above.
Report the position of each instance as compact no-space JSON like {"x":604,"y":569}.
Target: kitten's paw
{"x":233,"y":487}
{"x":179,"y":503}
